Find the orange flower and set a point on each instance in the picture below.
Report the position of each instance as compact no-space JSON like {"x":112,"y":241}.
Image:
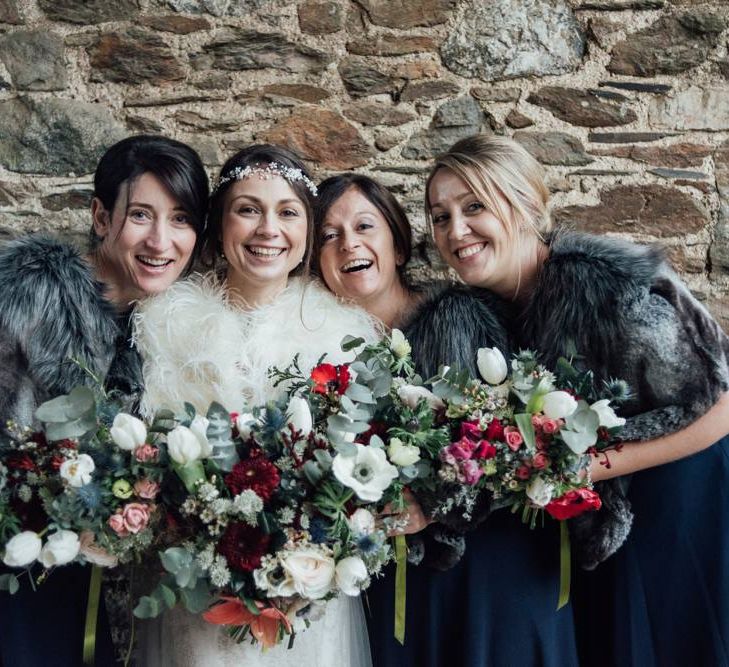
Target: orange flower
{"x":264,"y":626}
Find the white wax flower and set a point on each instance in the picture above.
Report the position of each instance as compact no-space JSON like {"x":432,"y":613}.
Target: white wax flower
{"x":128,"y":432}
{"x":367,"y":472}
{"x":492,"y":365}
{"x":351,"y":575}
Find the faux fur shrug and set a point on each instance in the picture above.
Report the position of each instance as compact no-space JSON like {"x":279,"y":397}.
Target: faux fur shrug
{"x":198,"y":348}
{"x":625,"y":311}
{"x":53,"y":314}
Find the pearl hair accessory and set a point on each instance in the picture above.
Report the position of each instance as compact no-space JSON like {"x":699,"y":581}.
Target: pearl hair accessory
{"x":266,"y":172}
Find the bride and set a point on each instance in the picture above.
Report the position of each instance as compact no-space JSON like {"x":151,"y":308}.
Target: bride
{"x":213,"y":337}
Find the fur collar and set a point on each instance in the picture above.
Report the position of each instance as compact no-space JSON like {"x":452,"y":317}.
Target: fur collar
{"x":198,"y":348}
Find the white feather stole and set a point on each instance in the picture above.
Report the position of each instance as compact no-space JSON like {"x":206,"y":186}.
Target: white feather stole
{"x":199,"y":348}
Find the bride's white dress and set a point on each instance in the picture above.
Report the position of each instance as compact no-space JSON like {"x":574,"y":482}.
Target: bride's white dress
{"x":197,"y":348}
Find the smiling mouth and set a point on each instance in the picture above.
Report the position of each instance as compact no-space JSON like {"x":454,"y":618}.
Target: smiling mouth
{"x":264,"y":251}
{"x":356,"y":265}
{"x":470,"y":250}
{"x":154,"y":262}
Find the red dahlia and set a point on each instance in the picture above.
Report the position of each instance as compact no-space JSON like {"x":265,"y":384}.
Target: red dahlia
{"x":243,"y":546}
{"x":257,"y":473}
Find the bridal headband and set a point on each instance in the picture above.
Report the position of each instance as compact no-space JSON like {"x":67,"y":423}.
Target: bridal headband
{"x":265,"y":172}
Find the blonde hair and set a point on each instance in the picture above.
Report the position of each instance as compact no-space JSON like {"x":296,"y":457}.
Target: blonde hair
{"x":493,"y":166}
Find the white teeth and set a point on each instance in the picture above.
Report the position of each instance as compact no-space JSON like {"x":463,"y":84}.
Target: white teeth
{"x":154,"y":261}
{"x":462,"y":253}
{"x":262,"y":251}
{"x":356,"y":264}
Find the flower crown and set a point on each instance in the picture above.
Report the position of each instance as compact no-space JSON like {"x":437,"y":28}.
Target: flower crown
{"x":265,"y":172}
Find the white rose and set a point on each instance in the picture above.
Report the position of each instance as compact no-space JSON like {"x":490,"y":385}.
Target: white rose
{"x":311,"y":570}
{"x":361,"y":522}
{"x":128,"y":432}
{"x":77,"y":471}
{"x":60,"y":548}
{"x":300,"y":415}
{"x":243,"y":423}
{"x":492,"y":365}
{"x":368,"y":472}
{"x":199,"y":426}
{"x":401,"y":454}
{"x":183,"y":445}
{"x":351,"y":575}
{"x":607,"y":415}
{"x":411,"y":395}
{"x":399,"y":344}
{"x":540,"y":492}
{"x":559,"y":404}
{"x":22,"y":549}
{"x":95,"y":554}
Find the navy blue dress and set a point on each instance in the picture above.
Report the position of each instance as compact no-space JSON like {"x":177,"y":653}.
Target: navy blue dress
{"x":663,"y":598}
{"x":495,"y":608}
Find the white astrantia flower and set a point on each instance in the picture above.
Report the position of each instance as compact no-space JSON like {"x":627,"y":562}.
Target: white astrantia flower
{"x":128,"y":432}
{"x":248,"y":504}
{"x":401,"y":454}
{"x":300,"y":415}
{"x":22,"y":549}
{"x":367,"y":472}
{"x":274,"y":579}
{"x":492,"y":365}
{"x":311,"y":570}
{"x":607,"y":415}
{"x":78,"y":470}
{"x":411,"y":396}
{"x":399,"y":345}
{"x":540,"y":491}
{"x":361,"y":522}
{"x":60,"y":548}
{"x":183,"y":445}
{"x":559,"y":404}
{"x":199,"y":426}
{"x":351,"y":575}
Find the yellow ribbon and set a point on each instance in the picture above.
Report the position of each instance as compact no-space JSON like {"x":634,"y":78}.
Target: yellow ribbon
{"x":565,"y":565}
{"x":400,"y":581}
{"x":92,"y":613}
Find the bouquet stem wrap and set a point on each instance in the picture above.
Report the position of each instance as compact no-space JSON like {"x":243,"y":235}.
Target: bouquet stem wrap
{"x":92,"y":614}
{"x":400,"y":586}
{"x":565,"y":565}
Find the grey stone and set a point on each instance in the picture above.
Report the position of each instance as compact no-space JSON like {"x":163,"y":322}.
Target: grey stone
{"x":428,"y":143}
{"x":136,"y":100}
{"x":492,"y":94}
{"x":581,"y":107}
{"x":601,"y":172}
{"x":671,"y":45}
{"x":620,"y":5}
{"x":428,"y":90}
{"x":360,"y":79}
{"x":625,"y":137}
{"x":9,"y":12}
{"x":555,"y":148}
{"x":679,"y":173}
{"x":320,"y":18}
{"x":638,"y":87}
{"x":180,"y":25}
{"x":202,"y":123}
{"x":249,"y":49}
{"x":719,"y":251}
{"x":144,"y":125}
{"x":463,"y":111}
{"x":219,"y":8}
{"x":34,"y":59}
{"x":73,"y":198}
{"x":405,"y":14}
{"x":376,"y":113}
{"x":705,"y":108}
{"x":89,"y":11}
{"x":54,"y":136}
{"x":507,"y":39}
{"x":518,"y":120}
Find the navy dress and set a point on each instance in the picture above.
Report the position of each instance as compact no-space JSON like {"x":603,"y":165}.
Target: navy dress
{"x":495,"y":608}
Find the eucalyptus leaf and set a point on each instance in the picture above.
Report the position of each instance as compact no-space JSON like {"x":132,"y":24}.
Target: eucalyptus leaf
{"x":72,"y":429}
{"x":167,"y":595}
{"x":190,"y":411}
{"x":174,"y":559}
{"x":362,"y":372}
{"x":68,"y":407}
{"x":312,"y":472}
{"x":197,"y":599}
{"x":360,"y":393}
{"x":350,"y":343}
{"x":346,"y":448}
{"x":342,"y":423}
{"x":323,"y":458}
{"x":376,"y":441}
{"x":147,"y":607}
{"x":9,"y":582}
{"x":381,"y":385}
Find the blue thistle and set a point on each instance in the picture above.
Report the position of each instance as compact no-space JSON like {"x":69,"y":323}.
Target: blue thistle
{"x":319,"y":530}
{"x":90,"y":496}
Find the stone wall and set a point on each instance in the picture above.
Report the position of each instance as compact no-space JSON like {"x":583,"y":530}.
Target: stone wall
{"x":625,"y":101}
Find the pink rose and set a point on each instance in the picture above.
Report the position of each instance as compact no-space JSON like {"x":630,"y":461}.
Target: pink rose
{"x":470,"y":472}
{"x":484,"y":450}
{"x":470,"y":430}
{"x":95,"y":554}
{"x":461,"y":450}
{"x":116,"y":523}
{"x":541,"y":442}
{"x":135,"y":516}
{"x":513,"y":438}
{"x":146,"y":489}
{"x":540,"y":461}
{"x":550,"y":426}
{"x":522,"y":472}
{"x":537,"y":422}
{"x":146,"y":453}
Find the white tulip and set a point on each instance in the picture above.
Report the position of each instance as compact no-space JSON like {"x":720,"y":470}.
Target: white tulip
{"x":492,"y":365}
{"x":559,"y":404}
{"x":401,"y":454}
{"x":128,"y":432}
{"x":77,"y":471}
{"x":367,"y":472}
{"x":243,"y":423}
{"x":22,"y":549}
{"x":362,"y":522}
{"x":607,"y":415}
{"x":540,"y":492}
{"x":399,"y":345}
{"x":199,"y":426}
{"x":351,"y":575}
{"x":300,"y":415}
{"x":60,"y":548}
{"x":311,"y":570}
{"x":183,"y":445}
{"x":411,"y":396}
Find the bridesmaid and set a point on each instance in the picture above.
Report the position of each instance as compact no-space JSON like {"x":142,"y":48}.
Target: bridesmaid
{"x":496,"y":607}
{"x":663,"y":598}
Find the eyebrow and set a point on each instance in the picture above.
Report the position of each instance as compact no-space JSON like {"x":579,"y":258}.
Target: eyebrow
{"x":292,"y":200}
{"x":458,"y":198}
{"x":145,"y":205}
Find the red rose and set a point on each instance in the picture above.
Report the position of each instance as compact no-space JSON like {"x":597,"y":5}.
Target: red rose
{"x":471,"y":430}
{"x":256,"y":473}
{"x":573,"y":503}
{"x":494,"y":431}
{"x":342,"y":378}
{"x":243,"y":546}
{"x":540,"y":461}
{"x":484,"y":450}
{"x":522,"y":472}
